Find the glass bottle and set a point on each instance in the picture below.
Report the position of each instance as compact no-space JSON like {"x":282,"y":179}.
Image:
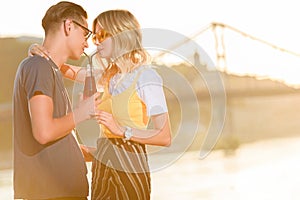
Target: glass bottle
{"x":89,"y":83}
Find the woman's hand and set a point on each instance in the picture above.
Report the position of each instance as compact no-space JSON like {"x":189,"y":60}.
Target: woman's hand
{"x":108,"y":120}
{"x":37,"y":49}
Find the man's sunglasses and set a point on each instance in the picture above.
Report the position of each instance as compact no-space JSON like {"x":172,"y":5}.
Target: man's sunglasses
{"x":87,"y":33}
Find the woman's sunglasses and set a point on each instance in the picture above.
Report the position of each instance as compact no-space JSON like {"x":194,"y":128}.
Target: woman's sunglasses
{"x":100,"y":36}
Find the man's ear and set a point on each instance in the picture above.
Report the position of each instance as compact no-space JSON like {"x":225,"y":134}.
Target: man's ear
{"x":67,"y":26}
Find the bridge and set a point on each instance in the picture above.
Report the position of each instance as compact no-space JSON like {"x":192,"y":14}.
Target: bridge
{"x":236,"y":52}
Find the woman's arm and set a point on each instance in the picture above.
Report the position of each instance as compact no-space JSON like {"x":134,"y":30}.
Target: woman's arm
{"x":71,"y":72}
{"x":160,"y":134}
{"x":76,"y":73}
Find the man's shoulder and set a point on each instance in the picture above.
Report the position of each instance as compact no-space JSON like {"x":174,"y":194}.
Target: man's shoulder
{"x":33,"y":68}
{"x":33,"y":60}
{"x":34,"y":63}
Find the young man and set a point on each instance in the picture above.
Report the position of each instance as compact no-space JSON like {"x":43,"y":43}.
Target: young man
{"x":48,"y":162}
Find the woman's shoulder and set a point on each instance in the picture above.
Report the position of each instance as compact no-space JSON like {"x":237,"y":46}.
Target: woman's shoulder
{"x":148,"y":73}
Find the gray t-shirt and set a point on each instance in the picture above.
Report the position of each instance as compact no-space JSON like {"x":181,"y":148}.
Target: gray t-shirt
{"x":56,"y":169}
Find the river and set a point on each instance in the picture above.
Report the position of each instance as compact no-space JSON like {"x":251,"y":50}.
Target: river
{"x":264,"y":170}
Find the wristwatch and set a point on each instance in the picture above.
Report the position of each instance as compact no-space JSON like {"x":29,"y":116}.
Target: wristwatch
{"x":128,"y":133}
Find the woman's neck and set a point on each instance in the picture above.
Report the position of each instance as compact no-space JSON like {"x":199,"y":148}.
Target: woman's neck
{"x":125,"y":67}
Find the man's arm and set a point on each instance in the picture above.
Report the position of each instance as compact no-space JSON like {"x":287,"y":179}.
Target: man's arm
{"x":46,"y":128}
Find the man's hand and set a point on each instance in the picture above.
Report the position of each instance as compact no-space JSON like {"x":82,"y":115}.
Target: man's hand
{"x":87,"y":108}
{"x":88,"y":152}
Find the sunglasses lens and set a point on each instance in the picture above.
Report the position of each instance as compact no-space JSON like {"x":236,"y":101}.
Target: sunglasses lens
{"x":100,"y":36}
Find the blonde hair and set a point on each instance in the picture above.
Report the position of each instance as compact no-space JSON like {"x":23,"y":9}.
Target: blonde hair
{"x":127,"y":41}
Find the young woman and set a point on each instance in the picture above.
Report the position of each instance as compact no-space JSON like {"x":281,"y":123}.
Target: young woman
{"x":133,"y":95}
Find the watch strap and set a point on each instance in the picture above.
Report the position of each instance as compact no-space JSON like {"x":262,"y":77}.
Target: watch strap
{"x":128,"y":133}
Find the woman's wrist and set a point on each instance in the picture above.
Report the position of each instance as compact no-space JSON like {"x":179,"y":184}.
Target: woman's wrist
{"x":128,"y":133}
{"x":122,"y":130}
{"x":125,"y":132}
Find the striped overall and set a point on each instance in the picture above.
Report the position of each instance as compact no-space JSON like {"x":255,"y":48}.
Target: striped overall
{"x":120,"y":168}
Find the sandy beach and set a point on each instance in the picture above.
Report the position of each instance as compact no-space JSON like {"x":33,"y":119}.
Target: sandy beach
{"x":264,"y":170}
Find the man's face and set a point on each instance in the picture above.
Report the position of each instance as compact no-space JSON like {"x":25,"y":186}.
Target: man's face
{"x":79,"y":34}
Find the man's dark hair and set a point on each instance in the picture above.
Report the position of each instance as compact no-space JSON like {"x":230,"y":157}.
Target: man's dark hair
{"x":61,"y":11}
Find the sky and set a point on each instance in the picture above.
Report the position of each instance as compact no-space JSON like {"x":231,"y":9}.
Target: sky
{"x":274,"y":21}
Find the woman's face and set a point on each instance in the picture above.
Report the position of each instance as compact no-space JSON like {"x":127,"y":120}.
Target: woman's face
{"x":104,"y":42}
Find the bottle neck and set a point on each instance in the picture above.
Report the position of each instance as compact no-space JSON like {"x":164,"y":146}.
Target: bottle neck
{"x":89,"y":70}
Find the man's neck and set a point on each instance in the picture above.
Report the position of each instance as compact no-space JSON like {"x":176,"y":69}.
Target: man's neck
{"x":56,"y":51}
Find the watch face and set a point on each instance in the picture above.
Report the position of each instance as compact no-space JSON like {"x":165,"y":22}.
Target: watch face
{"x":128,"y":133}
